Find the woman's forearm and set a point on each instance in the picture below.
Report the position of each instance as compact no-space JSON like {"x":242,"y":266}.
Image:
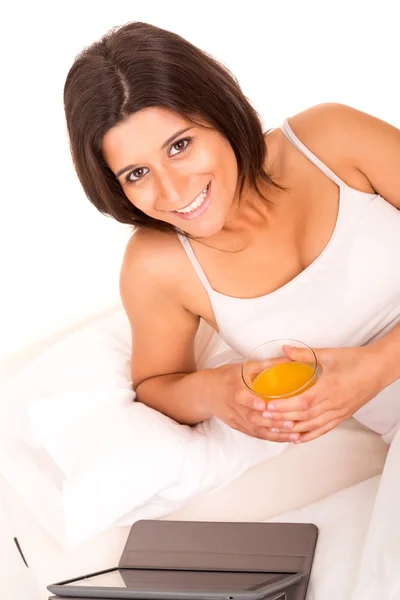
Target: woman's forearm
{"x":187,"y":398}
{"x":387,"y":353}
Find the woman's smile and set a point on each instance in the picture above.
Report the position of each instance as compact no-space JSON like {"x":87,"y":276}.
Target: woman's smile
{"x":198,"y":206}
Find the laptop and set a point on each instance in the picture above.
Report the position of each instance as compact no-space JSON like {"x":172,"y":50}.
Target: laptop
{"x":185,"y":560}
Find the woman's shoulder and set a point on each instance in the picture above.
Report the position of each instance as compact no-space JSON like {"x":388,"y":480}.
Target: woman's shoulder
{"x":325,"y":120}
{"x":325,"y":129}
{"x":152,"y":255}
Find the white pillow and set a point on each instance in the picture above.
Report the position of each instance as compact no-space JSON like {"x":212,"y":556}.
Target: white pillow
{"x":343,"y":521}
{"x":82,"y":454}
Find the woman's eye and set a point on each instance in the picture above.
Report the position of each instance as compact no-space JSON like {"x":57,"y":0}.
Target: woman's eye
{"x":180,"y":145}
{"x":135,"y":175}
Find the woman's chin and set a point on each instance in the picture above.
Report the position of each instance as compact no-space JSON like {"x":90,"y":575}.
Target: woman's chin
{"x":202,"y":230}
{"x":202,"y":227}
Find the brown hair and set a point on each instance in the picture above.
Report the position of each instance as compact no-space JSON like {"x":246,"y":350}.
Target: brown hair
{"x":138,"y":66}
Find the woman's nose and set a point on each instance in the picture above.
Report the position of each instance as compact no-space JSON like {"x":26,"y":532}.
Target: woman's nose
{"x":172,"y":193}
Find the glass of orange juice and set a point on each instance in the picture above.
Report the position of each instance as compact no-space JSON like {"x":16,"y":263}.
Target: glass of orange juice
{"x":270,"y":374}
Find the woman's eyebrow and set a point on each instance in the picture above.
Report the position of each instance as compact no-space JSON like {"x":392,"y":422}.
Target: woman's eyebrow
{"x":168,"y":141}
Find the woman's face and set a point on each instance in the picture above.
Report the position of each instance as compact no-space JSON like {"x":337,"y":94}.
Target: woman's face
{"x":186,"y":178}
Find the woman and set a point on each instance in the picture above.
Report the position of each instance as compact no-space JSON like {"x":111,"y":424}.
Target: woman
{"x":295,"y":233}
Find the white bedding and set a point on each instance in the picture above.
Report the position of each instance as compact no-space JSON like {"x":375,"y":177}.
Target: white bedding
{"x":73,"y":438}
{"x":301,"y":476}
{"x":342,"y":520}
{"x":359,"y":542}
{"x":358,"y":551}
{"x":379,"y":575}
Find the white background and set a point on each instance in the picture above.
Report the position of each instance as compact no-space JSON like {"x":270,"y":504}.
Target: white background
{"x":59,"y":258}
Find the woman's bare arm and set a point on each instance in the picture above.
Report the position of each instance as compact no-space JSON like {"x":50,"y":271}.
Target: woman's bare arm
{"x":163,"y":332}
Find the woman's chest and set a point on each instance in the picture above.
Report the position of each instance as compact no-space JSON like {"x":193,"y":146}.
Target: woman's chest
{"x":273,"y":254}
{"x":347,"y":296}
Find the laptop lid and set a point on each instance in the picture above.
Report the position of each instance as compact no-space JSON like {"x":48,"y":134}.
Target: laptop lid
{"x":223,"y":546}
{"x":201,"y":559}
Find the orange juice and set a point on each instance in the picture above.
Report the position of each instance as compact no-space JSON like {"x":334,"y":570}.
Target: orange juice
{"x":283,"y":379}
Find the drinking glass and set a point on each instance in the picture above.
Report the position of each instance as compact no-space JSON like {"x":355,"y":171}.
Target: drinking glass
{"x":268,"y":372}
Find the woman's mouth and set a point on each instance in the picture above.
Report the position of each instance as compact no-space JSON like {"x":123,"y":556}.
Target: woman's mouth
{"x":197,"y":207}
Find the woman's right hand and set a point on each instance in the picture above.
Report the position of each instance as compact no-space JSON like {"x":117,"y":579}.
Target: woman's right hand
{"x":234,"y":404}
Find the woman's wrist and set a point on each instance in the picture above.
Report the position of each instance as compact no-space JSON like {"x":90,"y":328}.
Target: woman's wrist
{"x":215,"y":386}
{"x":206,"y":383}
{"x":385,"y":356}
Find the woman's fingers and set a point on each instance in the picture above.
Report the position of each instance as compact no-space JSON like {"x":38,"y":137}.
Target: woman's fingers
{"x":264,"y":433}
{"x":257,"y":419}
{"x":251,"y":423}
{"x":318,"y":422}
{"x":312,"y":435}
{"x":295,"y":403}
{"x":248,"y":419}
{"x":245,"y":398}
{"x":301,"y":415}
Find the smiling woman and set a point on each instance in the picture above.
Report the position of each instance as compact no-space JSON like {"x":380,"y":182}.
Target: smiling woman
{"x":292,"y":235}
{"x":128,"y":98}
{"x":173,"y":182}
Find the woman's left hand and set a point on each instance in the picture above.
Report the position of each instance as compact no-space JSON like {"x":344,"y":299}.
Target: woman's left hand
{"x":350,"y":378}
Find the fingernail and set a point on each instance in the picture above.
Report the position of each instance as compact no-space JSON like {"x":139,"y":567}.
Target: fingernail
{"x":293,"y":437}
{"x":271,"y":406}
{"x":297,"y":442}
{"x":267,"y":415}
{"x":288,"y":424}
{"x":259,"y":404}
{"x":274,"y":430}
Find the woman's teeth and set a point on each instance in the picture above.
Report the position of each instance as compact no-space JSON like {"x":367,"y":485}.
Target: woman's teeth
{"x":197,"y":202}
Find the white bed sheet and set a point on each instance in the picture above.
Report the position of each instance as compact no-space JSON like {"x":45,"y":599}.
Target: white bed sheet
{"x":77,"y":434}
{"x":70,"y":433}
{"x":304,"y":476}
{"x":358,"y":555}
{"x":379,"y":575}
{"x":16,"y":582}
{"x":342,"y":518}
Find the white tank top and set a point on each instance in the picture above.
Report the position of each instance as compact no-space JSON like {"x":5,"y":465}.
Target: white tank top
{"x":348,"y":296}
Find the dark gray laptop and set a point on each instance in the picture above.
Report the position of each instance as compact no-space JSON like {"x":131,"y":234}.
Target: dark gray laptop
{"x":185,"y":560}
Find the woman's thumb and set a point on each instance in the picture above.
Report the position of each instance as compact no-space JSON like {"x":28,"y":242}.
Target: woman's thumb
{"x":299,"y":354}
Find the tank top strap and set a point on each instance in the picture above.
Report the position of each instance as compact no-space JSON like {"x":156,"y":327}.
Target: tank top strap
{"x":314,"y":159}
{"x":196,"y":265}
